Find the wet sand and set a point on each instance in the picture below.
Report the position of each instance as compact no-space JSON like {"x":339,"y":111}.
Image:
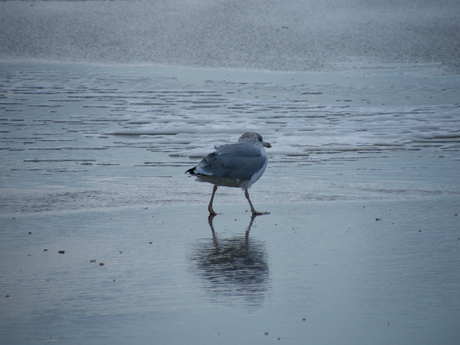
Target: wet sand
{"x":353,"y":272}
{"x":105,"y":240}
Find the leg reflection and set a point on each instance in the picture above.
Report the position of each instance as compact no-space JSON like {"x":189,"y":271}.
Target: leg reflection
{"x":234,"y":270}
{"x":211,"y":224}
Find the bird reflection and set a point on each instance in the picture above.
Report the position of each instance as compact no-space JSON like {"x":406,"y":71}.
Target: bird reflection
{"x":234,"y":270}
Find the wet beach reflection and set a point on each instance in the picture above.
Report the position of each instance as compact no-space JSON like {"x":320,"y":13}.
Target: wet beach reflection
{"x":234,"y":270}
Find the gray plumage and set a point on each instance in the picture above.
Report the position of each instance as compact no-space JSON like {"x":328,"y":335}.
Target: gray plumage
{"x":234,"y":165}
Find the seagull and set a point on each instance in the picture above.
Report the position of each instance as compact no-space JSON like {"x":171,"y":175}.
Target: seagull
{"x":234,"y":165}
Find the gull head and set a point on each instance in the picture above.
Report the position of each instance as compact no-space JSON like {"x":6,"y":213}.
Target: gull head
{"x":254,"y":138}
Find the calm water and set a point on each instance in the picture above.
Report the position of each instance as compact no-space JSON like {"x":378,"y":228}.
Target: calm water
{"x":362,"y":244}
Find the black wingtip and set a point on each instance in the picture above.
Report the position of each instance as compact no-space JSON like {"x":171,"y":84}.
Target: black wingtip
{"x":191,"y":171}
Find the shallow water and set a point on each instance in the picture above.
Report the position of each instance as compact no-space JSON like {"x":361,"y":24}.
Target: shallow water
{"x":75,"y":136}
{"x":361,"y":246}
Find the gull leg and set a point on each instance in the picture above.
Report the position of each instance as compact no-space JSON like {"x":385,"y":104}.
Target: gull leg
{"x":210,"y":209}
{"x":254,"y":212}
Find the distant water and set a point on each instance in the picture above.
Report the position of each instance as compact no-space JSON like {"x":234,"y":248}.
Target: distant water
{"x":301,"y":35}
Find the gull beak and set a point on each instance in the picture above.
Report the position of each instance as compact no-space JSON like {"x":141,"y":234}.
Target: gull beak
{"x":267,"y":145}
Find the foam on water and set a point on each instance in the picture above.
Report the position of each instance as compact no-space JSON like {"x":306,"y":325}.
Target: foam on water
{"x":308,"y":128}
{"x":214,"y":114}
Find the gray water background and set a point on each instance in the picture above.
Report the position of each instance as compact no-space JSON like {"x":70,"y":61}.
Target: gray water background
{"x":106,"y":104}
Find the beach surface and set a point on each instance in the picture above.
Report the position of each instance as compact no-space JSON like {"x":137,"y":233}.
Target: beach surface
{"x":105,"y":240}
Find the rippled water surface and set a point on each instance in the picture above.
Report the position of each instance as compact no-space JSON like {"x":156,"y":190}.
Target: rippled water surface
{"x":361,"y":246}
{"x":74,"y":136}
